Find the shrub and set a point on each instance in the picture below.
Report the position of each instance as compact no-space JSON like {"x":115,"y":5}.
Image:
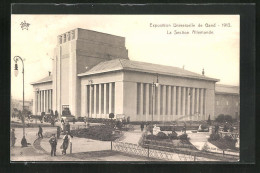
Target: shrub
{"x":224,"y":118}
{"x":183,"y":137}
{"x":150,"y":128}
{"x":162,"y":135}
{"x":103,"y":132}
{"x":204,"y":126}
{"x":173,"y":135}
{"x":220,"y":118}
{"x":229,"y":139}
{"x":225,"y":129}
{"x":214,"y":137}
{"x":151,"y":137}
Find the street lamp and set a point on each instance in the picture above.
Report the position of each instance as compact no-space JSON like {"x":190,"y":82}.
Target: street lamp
{"x":156,"y":84}
{"x":16,"y":58}
{"x":91,"y":88}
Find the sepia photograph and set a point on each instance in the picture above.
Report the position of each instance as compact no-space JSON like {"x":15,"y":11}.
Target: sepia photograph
{"x":120,"y":88}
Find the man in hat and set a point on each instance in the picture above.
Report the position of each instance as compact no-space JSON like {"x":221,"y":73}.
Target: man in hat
{"x":65,"y":142}
{"x":40,"y":132}
{"x":13,"y":138}
{"x":53,"y":142}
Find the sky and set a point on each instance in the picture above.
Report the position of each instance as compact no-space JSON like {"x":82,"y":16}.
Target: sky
{"x":146,"y":40}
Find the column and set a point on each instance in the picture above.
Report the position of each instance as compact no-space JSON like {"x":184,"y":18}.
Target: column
{"x":141,"y":100}
{"x":105,"y":99}
{"x":86,"y":99}
{"x":47,"y":101}
{"x":100,"y":100}
{"x":193,"y":103}
{"x":169,"y":103}
{"x":179,"y":102}
{"x":174,"y":102}
{"x":197,"y":103}
{"x":183,"y":102}
{"x":39,"y":102}
{"x":95,"y":101}
{"x":201,"y":104}
{"x":43,"y":100}
{"x":204,"y":111}
{"x":110,"y":98}
{"x":159,"y":102}
{"x":50,"y":99}
{"x":46,"y":98}
{"x":164,"y":102}
{"x":188,"y":104}
{"x":90,"y":100}
{"x":147,"y":102}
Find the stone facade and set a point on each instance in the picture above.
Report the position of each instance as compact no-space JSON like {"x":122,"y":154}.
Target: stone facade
{"x":227,"y":101}
{"x":93,"y":76}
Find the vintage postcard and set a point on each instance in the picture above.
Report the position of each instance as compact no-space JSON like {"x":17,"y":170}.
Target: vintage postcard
{"x":157,"y":88}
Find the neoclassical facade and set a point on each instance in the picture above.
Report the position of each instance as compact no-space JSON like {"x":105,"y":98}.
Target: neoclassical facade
{"x":93,"y":76}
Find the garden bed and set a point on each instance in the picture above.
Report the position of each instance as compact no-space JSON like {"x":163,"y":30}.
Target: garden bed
{"x":225,"y":143}
{"x":102,"y":132}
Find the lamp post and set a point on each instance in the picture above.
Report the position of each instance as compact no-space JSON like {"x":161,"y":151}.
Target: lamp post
{"x":37,"y":92}
{"x":91,"y":88}
{"x":153,"y":91}
{"x":17,"y":58}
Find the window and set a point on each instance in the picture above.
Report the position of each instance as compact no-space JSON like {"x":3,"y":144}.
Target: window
{"x":72,"y":34}
{"x":60,"y":39}
{"x":68,"y":36}
{"x":64,"y":36}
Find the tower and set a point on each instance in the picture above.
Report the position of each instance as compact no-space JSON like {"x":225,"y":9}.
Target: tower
{"x":77,"y":51}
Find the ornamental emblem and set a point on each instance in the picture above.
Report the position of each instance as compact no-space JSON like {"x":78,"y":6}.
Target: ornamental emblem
{"x":24,"y":25}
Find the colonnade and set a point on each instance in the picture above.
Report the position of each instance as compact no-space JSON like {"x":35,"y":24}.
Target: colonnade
{"x":170,"y":102}
{"x":43,"y":100}
{"x":100,"y":100}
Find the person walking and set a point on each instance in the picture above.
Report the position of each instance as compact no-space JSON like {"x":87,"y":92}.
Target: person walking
{"x":62,"y":125}
{"x":53,"y":143}
{"x":65,"y":143}
{"x":40,"y":132}
{"x":58,"y":132}
{"x":13,"y":138}
{"x":85,"y":120}
{"x":70,"y":140}
{"x":68,"y":127}
{"x":142,"y":126}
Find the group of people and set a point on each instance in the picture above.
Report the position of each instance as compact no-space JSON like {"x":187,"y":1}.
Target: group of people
{"x":67,"y":141}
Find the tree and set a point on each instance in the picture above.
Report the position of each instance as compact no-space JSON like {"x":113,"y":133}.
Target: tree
{"x":209,"y":121}
{"x":220,"y":118}
{"x":228,"y":118}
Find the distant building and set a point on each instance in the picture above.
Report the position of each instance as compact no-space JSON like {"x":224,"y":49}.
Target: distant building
{"x":18,"y":104}
{"x":93,"y":76}
{"x":227,"y":100}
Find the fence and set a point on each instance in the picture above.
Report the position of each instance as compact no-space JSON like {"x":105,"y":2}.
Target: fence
{"x":151,"y":153}
{"x":208,"y":148}
{"x":233,"y":135}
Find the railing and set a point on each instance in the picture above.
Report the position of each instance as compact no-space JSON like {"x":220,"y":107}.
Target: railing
{"x":75,"y":127}
{"x":169,"y":145}
{"x":151,"y":153}
{"x":233,"y":135}
{"x":216,"y":150}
